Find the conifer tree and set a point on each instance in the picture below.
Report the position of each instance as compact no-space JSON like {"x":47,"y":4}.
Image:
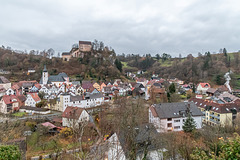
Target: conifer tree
{"x":189,"y":125}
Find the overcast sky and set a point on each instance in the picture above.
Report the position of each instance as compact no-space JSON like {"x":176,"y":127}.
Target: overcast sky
{"x":128,"y":26}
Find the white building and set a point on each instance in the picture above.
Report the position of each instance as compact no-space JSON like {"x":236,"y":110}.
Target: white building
{"x":145,"y":138}
{"x":32,"y":99}
{"x":203,"y":87}
{"x":72,"y":116}
{"x":171,"y":116}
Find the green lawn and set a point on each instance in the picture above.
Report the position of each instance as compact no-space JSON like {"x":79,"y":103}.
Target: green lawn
{"x":19,"y":114}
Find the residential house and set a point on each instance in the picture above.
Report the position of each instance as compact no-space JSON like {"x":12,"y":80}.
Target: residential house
{"x":72,"y":116}
{"x":212,"y":92}
{"x":31,"y":70}
{"x":2,"y":91}
{"x":79,"y":90}
{"x":146,"y":138}
{"x":97,"y":86}
{"x":9,"y":104}
{"x":32,"y":99}
{"x":87,"y":86}
{"x":171,"y":116}
{"x":5,"y":83}
{"x":203,"y":87}
{"x":215,"y":113}
{"x":87,"y":101}
{"x":227,"y":98}
{"x":102,"y":85}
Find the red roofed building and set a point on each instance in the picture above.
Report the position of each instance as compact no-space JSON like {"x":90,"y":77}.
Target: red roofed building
{"x":203,"y":87}
{"x":72,"y":116}
{"x":32,"y":99}
{"x":9,"y":104}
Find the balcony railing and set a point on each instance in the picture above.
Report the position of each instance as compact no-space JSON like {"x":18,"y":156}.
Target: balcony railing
{"x":214,"y":116}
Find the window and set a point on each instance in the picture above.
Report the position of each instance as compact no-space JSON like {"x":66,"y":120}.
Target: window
{"x":177,"y":120}
{"x":169,"y":125}
{"x":169,"y":119}
{"x":176,"y":127}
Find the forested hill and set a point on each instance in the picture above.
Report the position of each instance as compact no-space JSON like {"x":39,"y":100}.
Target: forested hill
{"x":98,"y":65}
{"x":208,"y":67}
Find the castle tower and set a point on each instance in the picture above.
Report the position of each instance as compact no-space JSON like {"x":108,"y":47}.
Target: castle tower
{"x":45,"y":75}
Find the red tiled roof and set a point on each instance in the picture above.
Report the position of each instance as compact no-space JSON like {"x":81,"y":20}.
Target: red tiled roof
{"x":48,"y":125}
{"x":35,"y":97}
{"x":72,"y":112}
{"x":216,"y":107}
{"x":9,"y":99}
{"x":37,"y":85}
{"x":205,"y":85}
{"x":154,"y":113}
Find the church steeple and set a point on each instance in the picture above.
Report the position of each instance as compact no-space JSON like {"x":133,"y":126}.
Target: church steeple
{"x":45,"y":75}
{"x":45,"y":68}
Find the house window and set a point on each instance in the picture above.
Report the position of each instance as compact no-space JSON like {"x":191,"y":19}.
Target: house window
{"x":176,"y":127}
{"x":169,"y":125}
{"x":178,"y":120}
{"x":169,"y":119}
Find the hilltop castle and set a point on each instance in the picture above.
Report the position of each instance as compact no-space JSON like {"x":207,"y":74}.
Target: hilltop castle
{"x":78,"y":50}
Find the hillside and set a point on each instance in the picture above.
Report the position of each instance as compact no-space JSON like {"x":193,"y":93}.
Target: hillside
{"x":208,"y":67}
{"x":99,"y":67}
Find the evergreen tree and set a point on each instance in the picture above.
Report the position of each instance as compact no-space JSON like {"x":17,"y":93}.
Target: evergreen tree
{"x":189,"y":125}
{"x":193,"y":88}
{"x":168,"y":97}
{"x":172,"y":88}
{"x":225,"y":52}
{"x":118,"y":65}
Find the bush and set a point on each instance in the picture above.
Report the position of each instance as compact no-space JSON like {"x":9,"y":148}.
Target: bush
{"x":31,"y":125}
{"x":66,"y":132}
{"x":9,"y":152}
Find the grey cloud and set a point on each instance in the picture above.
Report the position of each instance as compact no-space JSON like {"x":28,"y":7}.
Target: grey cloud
{"x":129,"y":26}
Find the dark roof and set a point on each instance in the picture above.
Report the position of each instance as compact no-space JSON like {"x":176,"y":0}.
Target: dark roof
{"x":144,"y":133}
{"x":72,"y":112}
{"x":65,"y":53}
{"x":76,"y":98}
{"x":139,"y":85}
{"x":63,"y":74}
{"x":216,"y":107}
{"x":85,"y":42}
{"x":87,"y":85}
{"x":4,"y":80}
{"x":45,"y":68}
{"x":175,"y":110}
{"x":56,"y":78}
{"x":211,"y":90}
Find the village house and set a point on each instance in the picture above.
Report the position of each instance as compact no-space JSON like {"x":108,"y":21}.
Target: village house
{"x":217,"y":114}
{"x":203,"y":87}
{"x":171,"y":116}
{"x":146,"y":138}
{"x":5,"y":83}
{"x":87,"y":86}
{"x":72,"y":116}
{"x":31,"y":70}
{"x":9,"y":104}
{"x":32,"y":99}
{"x":97,"y":86}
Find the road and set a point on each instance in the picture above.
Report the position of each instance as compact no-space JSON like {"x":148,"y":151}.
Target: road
{"x":49,"y":116}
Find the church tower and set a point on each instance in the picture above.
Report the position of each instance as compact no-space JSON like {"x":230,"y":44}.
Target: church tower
{"x":44,"y":76}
